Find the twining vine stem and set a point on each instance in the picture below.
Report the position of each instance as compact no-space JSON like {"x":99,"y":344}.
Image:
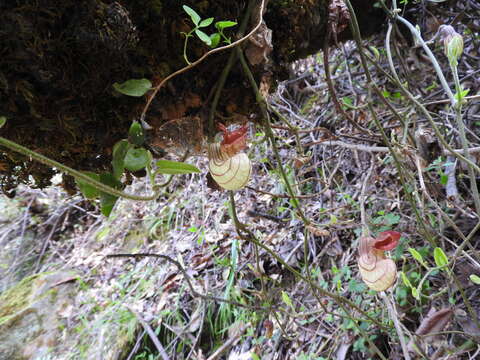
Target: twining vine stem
{"x":269,"y":132}
{"x":75,"y":173}
{"x":226,"y":70}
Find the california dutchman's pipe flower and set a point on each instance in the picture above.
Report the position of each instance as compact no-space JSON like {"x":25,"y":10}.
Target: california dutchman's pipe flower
{"x":230,"y":167}
{"x":378,"y":271}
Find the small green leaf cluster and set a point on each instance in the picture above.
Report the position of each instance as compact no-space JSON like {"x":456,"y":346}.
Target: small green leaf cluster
{"x":454,"y":47}
{"x":389,"y":95}
{"x":342,"y":277}
{"x":414,"y":282}
{"x":212,"y":40}
{"x":129,"y":154}
{"x":437,"y":165}
{"x":385,"y":220}
{"x":460,"y":95}
{"x":126,"y":155}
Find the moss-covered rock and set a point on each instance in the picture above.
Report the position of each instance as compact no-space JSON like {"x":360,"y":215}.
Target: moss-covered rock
{"x":31,"y":314}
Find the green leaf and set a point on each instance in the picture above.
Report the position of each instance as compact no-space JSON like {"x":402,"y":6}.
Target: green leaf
{"x":204,"y":37}
{"x":415,"y":293}
{"x":89,"y":191}
{"x":220,"y":25}
{"x":133,"y":87}
{"x":118,"y":156}
{"x":376,"y":53}
{"x":443,"y":179}
{"x":434,"y":85}
{"x":333,"y":220}
{"x":440,"y":257}
{"x":175,"y":167}
{"x":475,"y":279}
{"x":392,"y":219}
{"x":416,"y":255}
{"x":215,"y":38}
{"x":3,"y":120}
{"x":110,"y":180}
{"x":102,"y":233}
{"x":405,"y":279}
{"x":193,"y":14}
{"x":205,"y":22}
{"x":106,"y":205}
{"x":286,"y":299}
{"x":107,"y":201}
{"x":459,"y":96}
{"x":135,"y":134}
{"x":136,"y":159}
{"x":347,"y":101}
{"x":356,"y":286}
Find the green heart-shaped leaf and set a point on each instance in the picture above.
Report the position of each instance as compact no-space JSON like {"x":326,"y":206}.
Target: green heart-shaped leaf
{"x":215,"y":39}
{"x":440,"y":257}
{"x":107,"y":201}
{"x":224,"y":24}
{"x":204,"y":37}
{"x":205,"y":22}
{"x":133,"y":87}
{"x":416,"y":255}
{"x":175,"y":167}
{"x":136,"y":159}
{"x":135,"y":134}
{"x":192,"y":13}
{"x":118,"y":157}
{"x":475,"y":279}
{"x":89,"y":191}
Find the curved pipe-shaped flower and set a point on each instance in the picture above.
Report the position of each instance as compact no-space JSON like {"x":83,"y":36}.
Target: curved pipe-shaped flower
{"x":229,"y":167}
{"x":378,"y":271}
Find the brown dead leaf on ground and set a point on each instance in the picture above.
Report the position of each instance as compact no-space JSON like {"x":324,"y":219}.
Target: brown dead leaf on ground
{"x":435,"y":322}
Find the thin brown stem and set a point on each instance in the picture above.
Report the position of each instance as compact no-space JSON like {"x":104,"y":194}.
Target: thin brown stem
{"x":203,"y":57}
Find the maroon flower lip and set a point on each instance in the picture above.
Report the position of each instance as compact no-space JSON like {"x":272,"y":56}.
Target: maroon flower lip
{"x":387,"y":240}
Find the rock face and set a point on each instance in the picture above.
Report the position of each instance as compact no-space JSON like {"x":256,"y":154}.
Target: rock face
{"x":32,"y":315}
{"x":72,"y":314}
{"x":16,"y":252}
{"x":55,"y":316}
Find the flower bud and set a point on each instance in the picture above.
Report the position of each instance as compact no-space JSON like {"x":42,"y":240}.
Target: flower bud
{"x":452,"y":43}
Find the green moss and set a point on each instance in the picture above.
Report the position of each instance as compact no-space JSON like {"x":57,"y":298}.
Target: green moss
{"x":53,"y":293}
{"x":16,"y":298}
